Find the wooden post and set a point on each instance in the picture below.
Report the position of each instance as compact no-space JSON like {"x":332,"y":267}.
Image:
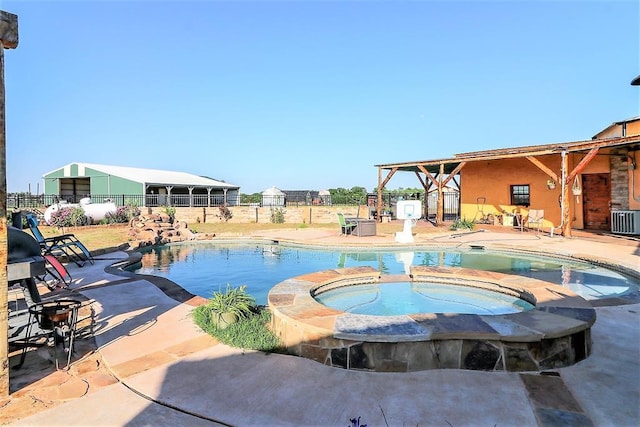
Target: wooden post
{"x":379,"y":204}
{"x":566,"y":211}
{"x":440,"y":214}
{"x":8,"y":40}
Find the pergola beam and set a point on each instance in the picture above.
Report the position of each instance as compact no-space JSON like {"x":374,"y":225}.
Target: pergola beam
{"x":582,"y":164}
{"x":543,"y":168}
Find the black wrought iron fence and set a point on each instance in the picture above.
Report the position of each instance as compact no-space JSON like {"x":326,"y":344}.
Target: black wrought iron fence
{"x":178,"y":200}
{"x":23,"y":201}
{"x":451,"y":206}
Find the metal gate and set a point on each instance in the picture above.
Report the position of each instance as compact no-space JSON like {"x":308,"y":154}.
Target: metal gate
{"x":451,"y":206}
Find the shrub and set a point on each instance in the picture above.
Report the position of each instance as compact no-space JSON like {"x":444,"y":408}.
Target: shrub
{"x":462,"y":223}
{"x":69,"y":217}
{"x":277,"y":216}
{"x":170,"y":210}
{"x":225,"y":213}
{"x":123,"y":214}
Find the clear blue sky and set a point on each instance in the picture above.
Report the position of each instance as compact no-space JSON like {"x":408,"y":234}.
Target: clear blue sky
{"x":308,"y":94}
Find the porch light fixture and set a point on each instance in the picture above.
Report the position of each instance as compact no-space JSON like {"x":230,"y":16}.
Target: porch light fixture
{"x":551,"y":184}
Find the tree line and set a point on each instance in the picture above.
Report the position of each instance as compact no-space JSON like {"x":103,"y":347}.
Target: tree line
{"x":344,"y":195}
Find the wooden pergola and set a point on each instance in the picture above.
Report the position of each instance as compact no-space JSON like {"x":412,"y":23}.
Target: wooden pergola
{"x":441,"y":172}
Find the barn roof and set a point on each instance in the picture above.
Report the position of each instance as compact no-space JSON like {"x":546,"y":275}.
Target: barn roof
{"x":152,"y":176}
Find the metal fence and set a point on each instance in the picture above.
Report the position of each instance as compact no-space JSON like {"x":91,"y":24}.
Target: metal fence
{"x":36,"y":202}
{"x":451,"y":206}
{"x":335,"y":200}
{"x":24,"y":201}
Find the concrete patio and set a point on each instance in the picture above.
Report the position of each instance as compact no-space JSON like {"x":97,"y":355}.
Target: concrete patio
{"x":151,"y":365}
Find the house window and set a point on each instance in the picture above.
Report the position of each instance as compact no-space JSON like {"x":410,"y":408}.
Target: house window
{"x":520,"y":195}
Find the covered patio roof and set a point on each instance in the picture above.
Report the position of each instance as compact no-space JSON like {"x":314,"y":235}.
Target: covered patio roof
{"x":450,"y":164}
{"x":439,"y":172}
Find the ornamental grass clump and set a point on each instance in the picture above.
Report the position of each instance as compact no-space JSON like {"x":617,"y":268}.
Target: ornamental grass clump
{"x":233,"y":300}
{"x":462,"y":224}
{"x":247,"y":327}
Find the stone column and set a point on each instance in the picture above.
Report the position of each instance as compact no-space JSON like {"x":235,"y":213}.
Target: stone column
{"x":619,"y":164}
{"x":8,"y":40}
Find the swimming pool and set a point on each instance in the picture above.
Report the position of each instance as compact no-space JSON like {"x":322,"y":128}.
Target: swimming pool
{"x":205,"y":267}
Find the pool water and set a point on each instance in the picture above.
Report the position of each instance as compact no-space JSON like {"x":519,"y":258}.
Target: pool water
{"x":205,"y":267}
{"x":397,"y":298}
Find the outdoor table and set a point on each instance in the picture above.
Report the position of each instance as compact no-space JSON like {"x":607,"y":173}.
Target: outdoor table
{"x":364,"y":227}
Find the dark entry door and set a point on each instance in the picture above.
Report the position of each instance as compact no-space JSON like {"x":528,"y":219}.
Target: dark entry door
{"x":74,"y":189}
{"x":596,"y":190}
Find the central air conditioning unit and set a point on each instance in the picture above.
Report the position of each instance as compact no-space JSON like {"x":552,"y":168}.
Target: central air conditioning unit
{"x":625,"y":222}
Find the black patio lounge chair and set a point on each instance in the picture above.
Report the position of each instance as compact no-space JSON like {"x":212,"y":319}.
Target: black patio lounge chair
{"x":57,"y":276}
{"x":66,"y":245}
{"x":35,"y":316}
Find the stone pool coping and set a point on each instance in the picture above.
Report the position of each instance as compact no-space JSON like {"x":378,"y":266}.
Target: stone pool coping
{"x":554,"y":334}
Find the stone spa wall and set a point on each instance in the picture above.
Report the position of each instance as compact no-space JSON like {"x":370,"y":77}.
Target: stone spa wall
{"x":556,"y":333}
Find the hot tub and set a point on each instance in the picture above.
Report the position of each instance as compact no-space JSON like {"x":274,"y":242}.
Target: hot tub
{"x":554,"y":333}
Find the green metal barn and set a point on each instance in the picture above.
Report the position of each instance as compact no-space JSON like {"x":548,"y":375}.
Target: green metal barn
{"x":142,"y":187}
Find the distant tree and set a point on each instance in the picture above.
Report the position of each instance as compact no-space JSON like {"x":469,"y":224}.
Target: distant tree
{"x":343,"y":196}
{"x":409,"y":193}
{"x":360,"y":192}
{"x":400,"y":191}
{"x":251,"y":198}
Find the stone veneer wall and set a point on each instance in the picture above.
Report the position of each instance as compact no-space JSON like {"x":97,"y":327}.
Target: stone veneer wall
{"x":262,"y":215}
{"x":619,"y":165}
{"x":479,"y":354}
{"x":554,"y":334}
